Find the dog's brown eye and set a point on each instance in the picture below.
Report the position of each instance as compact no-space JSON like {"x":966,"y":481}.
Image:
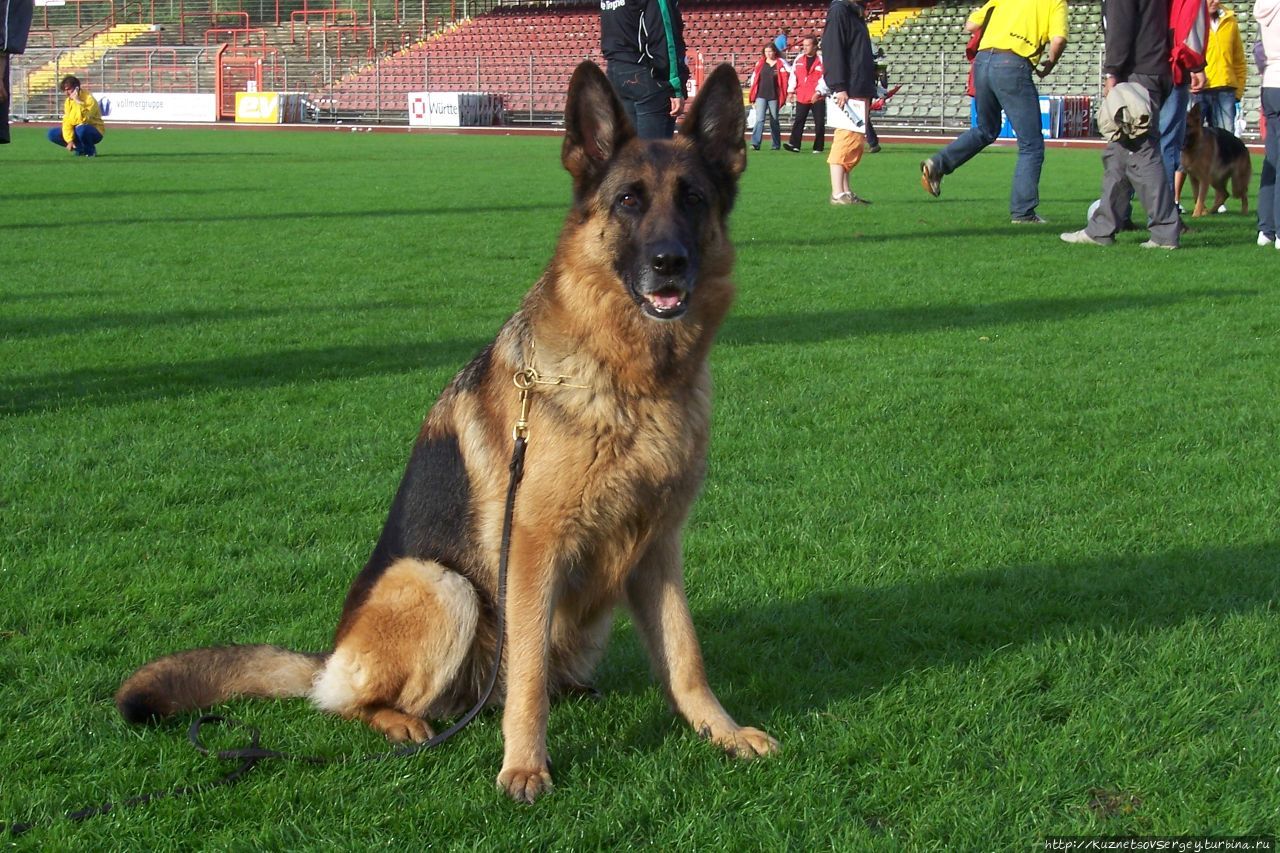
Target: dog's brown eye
{"x":692,"y":199}
{"x":631,"y":201}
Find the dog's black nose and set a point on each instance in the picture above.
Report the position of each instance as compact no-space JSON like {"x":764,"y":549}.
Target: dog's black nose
{"x":669,"y":259}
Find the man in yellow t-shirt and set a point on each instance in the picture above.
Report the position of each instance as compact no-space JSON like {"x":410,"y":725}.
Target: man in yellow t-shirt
{"x":82,"y":127}
{"x":1019,"y":36}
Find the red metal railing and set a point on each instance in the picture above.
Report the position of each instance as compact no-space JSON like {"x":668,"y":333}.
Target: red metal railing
{"x":213,"y":36}
{"x":212,"y":17}
{"x":328,"y":18}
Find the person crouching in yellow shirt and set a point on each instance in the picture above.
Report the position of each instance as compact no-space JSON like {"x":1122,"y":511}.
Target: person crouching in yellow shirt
{"x":82,"y":126}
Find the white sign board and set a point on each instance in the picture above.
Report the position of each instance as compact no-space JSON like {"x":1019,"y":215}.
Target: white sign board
{"x":454,"y":109}
{"x":434,"y":109}
{"x":157,"y":106}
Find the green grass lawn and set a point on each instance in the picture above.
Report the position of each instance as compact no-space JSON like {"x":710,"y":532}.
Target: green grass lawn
{"x":990,"y":541}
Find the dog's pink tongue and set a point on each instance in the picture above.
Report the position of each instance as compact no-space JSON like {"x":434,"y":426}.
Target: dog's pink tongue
{"x":666,"y":299}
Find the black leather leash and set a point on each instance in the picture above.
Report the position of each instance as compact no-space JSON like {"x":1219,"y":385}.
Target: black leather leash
{"x":249,"y":756}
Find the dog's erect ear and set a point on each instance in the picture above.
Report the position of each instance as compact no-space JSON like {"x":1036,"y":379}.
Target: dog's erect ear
{"x":595,"y":127}
{"x":717,"y":121}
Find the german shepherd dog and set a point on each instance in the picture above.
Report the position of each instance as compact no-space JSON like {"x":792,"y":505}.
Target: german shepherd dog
{"x":614,"y":339}
{"x":1211,"y":156}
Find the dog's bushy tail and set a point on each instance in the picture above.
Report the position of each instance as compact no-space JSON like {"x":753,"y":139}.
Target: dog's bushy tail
{"x":198,"y":678}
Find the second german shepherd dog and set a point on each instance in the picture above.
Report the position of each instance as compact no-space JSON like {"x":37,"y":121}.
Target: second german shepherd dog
{"x":1211,"y":156}
{"x":614,"y":337}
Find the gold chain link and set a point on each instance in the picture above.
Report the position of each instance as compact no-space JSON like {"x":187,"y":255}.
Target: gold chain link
{"x":525,"y":380}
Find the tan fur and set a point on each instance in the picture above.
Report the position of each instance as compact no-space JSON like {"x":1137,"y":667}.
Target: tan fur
{"x":615,"y":460}
{"x":375,"y":673}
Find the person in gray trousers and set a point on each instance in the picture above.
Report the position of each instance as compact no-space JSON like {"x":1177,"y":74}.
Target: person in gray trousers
{"x":1136,"y":51}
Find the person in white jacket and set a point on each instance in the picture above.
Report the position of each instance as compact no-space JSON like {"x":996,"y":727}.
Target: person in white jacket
{"x":1267,"y":13}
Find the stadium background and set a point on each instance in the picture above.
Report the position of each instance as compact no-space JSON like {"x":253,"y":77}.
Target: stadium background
{"x":357,"y":61}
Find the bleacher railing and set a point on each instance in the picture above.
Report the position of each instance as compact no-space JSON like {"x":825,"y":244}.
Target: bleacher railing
{"x":532,"y":88}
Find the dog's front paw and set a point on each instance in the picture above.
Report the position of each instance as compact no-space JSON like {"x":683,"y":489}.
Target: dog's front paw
{"x":744,"y":742}
{"x":525,"y":785}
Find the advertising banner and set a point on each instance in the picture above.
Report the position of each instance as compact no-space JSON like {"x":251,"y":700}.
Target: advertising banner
{"x":1050,"y":112}
{"x":157,"y":106}
{"x":454,"y":109}
{"x":258,"y":107}
{"x":270,"y":107}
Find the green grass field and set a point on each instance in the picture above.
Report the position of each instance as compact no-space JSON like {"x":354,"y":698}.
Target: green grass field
{"x":990,"y":541}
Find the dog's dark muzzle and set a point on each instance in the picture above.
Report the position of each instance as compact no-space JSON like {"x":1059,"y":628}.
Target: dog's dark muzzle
{"x":664,"y":284}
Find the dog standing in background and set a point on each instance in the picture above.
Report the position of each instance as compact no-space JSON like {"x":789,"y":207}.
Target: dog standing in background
{"x":612,"y":341}
{"x":1210,"y":157}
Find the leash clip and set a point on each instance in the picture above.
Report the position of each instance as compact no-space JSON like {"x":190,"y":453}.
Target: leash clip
{"x":524,"y":380}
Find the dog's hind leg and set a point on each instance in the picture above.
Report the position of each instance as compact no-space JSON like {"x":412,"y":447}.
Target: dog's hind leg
{"x":1240,"y":183}
{"x":402,"y":649}
{"x":1220,"y":196}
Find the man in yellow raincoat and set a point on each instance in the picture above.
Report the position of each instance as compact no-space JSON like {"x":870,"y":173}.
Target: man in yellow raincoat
{"x":82,"y":126}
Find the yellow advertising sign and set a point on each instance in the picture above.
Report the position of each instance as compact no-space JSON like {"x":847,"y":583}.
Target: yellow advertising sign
{"x":258,"y":107}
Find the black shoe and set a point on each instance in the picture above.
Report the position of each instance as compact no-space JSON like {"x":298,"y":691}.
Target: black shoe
{"x":755,"y":147}
{"x":791,"y":148}
{"x":874,"y":149}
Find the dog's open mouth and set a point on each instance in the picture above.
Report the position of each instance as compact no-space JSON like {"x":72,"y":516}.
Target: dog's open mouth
{"x":666,"y":303}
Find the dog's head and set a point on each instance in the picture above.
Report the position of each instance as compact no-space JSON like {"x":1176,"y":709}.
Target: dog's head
{"x":649,"y":217}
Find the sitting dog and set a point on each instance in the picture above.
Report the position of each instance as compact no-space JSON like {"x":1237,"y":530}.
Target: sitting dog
{"x":605,"y":366}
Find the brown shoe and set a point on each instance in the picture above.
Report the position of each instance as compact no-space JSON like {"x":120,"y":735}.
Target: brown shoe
{"x":931,"y":178}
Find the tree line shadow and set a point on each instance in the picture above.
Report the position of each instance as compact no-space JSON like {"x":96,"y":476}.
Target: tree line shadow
{"x":263,"y":370}
{"x":75,"y":195}
{"x":286,"y":216}
{"x":816,"y":326}
{"x":42,"y":325}
{"x":108,"y":386}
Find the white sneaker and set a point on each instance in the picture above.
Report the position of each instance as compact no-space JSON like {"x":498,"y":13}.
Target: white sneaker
{"x":1082,"y":237}
{"x":1263,"y":239}
{"x":1152,"y":244}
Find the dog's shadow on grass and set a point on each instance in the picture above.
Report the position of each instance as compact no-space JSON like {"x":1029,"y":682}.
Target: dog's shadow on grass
{"x":791,"y":658}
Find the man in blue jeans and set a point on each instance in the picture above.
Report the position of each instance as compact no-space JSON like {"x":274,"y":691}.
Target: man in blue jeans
{"x":643,"y":43}
{"x":1013,"y":38}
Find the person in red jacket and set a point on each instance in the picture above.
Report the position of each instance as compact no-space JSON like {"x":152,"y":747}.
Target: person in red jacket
{"x":768,"y":87}
{"x":806,"y":72}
